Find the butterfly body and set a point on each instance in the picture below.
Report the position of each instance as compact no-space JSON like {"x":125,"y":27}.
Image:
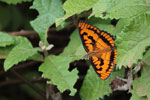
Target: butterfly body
{"x":100,"y":48}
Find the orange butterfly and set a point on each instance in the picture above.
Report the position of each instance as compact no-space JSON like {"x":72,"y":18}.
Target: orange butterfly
{"x":100,"y":47}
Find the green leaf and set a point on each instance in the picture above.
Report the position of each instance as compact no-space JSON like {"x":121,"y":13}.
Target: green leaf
{"x":75,"y":7}
{"x":133,"y":40}
{"x":75,"y":42}
{"x":141,"y":88}
{"x":93,"y":87}
{"x":120,"y":8}
{"x":122,"y":23}
{"x":19,"y":40}
{"x":5,"y":39}
{"x":15,"y":1}
{"x":20,"y":52}
{"x":49,"y":11}
{"x":55,"y":68}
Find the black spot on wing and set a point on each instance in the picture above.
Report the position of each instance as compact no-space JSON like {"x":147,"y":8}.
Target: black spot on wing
{"x":93,"y":41}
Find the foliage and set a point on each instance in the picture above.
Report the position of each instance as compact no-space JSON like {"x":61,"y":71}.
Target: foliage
{"x":15,"y":1}
{"x":48,"y":13}
{"x":134,"y":38}
{"x":132,"y":30}
{"x":21,"y":47}
{"x":56,"y":69}
{"x":94,"y":88}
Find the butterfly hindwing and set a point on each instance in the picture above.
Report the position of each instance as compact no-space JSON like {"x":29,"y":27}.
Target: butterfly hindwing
{"x":103,"y":65}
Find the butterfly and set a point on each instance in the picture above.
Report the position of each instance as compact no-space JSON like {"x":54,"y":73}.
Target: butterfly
{"x":100,"y":48}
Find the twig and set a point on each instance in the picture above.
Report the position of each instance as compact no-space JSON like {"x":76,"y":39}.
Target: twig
{"x":16,"y":81}
{"x":24,"y":33}
{"x":21,"y":66}
{"x":40,"y":92}
{"x":129,"y":78}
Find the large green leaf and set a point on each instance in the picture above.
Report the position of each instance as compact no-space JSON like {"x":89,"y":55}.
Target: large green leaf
{"x":21,"y":52}
{"x":49,"y":11}
{"x":141,"y":86}
{"x":5,"y":39}
{"x":55,"y":68}
{"x":120,"y":8}
{"x":93,"y":87}
{"x":75,"y":7}
{"x":132,"y":40}
{"x":15,"y":1}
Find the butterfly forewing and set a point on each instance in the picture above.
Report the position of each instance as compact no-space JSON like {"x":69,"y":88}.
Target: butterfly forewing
{"x":100,"y":47}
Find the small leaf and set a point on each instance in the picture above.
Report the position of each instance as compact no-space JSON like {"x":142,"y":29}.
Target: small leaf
{"x":55,"y":68}
{"x":21,"y":52}
{"x":18,"y":40}
{"x":93,"y":87}
{"x":5,"y":39}
{"x":49,"y":11}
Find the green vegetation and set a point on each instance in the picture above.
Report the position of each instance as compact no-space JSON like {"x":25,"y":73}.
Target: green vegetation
{"x":131,"y":28}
